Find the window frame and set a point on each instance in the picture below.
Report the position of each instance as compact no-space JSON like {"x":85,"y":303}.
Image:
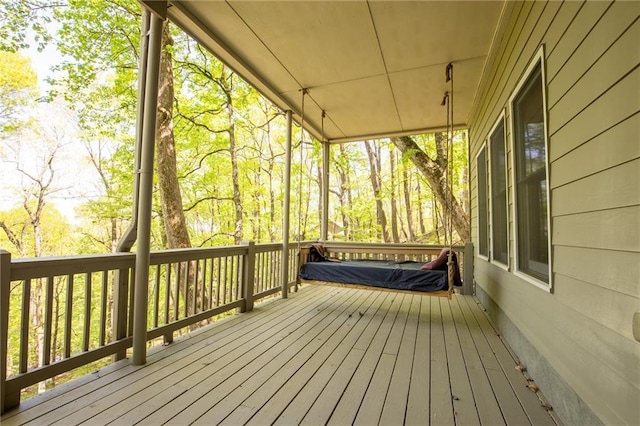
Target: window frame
{"x":488,"y":229}
{"x":501,"y":120}
{"x":538,"y":59}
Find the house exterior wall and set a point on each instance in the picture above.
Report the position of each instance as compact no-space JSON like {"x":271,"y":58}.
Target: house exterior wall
{"x":576,"y":339}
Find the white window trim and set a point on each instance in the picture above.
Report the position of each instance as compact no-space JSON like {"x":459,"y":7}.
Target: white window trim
{"x":506,"y":266}
{"x":482,"y":256}
{"x":538,"y":57}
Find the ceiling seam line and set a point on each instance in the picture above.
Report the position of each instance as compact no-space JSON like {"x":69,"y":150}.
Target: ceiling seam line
{"x":334,"y":83}
{"x":384,"y":63}
{"x":301,"y":87}
{"x":264,"y":45}
{"x":327,"y":115}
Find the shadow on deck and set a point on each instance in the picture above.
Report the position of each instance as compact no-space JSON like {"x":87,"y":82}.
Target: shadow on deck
{"x":327,"y":355}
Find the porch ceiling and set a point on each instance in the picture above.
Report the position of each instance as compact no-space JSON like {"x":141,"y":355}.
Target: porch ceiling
{"x":376,"y":67}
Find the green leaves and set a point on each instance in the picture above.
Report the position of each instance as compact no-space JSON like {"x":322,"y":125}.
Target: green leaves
{"x":18,"y":82}
{"x":18,"y":18}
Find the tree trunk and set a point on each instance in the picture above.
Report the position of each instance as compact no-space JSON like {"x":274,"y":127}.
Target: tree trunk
{"x":307,"y":201}
{"x":435,"y":173}
{"x":374,"y":175}
{"x":257,"y":206}
{"x":345,"y":192}
{"x":394,"y":207}
{"x":170,"y":195}
{"x":43,"y":182}
{"x":435,"y":217}
{"x":421,"y":217}
{"x":272,"y":200}
{"x":406,"y":186}
{"x":225,"y":82}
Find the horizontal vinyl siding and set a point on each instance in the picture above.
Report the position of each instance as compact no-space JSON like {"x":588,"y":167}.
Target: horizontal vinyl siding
{"x":582,"y":329}
{"x":502,"y":78}
{"x":597,"y":155}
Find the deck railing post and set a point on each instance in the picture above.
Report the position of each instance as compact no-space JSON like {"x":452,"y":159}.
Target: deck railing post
{"x":120,"y":308}
{"x":467,"y":280}
{"x":248,"y":275}
{"x":5,"y":285}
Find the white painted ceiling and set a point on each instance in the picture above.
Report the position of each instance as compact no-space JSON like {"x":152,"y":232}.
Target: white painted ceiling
{"x":377,"y":68}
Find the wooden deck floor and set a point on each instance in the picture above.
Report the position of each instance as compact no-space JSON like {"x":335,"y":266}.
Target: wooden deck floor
{"x":326,"y":355}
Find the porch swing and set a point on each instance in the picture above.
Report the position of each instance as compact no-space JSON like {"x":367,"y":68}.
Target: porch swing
{"x":438,"y":277}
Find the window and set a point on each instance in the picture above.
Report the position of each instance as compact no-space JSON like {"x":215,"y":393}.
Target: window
{"x":530,"y":176}
{"x":483,"y":225}
{"x":499,"y":220}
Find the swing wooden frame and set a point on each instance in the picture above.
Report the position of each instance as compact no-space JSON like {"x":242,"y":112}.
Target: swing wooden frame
{"x":426,"y":254}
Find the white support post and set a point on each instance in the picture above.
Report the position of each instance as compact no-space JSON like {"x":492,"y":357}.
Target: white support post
{"x":121,"y":281}
{"x":324,"y":229}
{"x":286,"y":210}
{"x":129,"y":237}
{"x":146,"y":192}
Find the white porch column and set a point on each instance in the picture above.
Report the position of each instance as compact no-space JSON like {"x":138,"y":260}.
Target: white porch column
{"x":146,"y":192}
{"x":324,"y":226}
{"x":129,"y":237}
{"x":286,"y":210}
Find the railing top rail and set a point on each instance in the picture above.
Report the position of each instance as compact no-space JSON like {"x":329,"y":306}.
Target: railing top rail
{"x":265,"y":247}
{"x":400,"y":246}
{"x":37,"y":267}
{"x":185,"y":254}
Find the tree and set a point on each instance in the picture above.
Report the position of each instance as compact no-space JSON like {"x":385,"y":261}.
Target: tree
{"x":18,"y":83}
{"x":406,"y":186}
{"x":170,"y":193}
{"x":345,"y":197}
{"x":38,"y":185}
{"x":374,"y":176}
{"x":434,"y":171}
{"x":392,"y":198}
{"x":106,"y":218}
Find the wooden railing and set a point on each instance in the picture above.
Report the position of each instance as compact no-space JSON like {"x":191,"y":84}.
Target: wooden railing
{"x":77,"y":310}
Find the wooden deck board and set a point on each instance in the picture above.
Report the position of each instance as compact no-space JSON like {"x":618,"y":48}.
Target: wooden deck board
{"x":298,"y":406}
{"x":485,"y":401}
{"x":326,"y":355}
{"x":530,"y":403}
{"x":319,"y":345}
{"x":464,"y":400}
{"x":418,"y":403}
{"x":393,"y":412}
{"x":504,"y":395}
{"x":378,"y":390}
{"x":289,"y":392}
{"x":186,"y":370}
{"x":217,"y":397}
{"x":347,"y":409}
{"x":440,"y":396}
